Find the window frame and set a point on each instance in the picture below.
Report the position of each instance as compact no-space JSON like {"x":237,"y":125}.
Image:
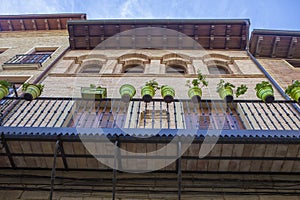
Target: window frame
{"x":132,"y":66}
{"x":175,"y":67}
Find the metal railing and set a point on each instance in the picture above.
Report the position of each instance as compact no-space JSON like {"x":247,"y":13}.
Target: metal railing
{"x":28,"y":59}
{"x":180,"y":114}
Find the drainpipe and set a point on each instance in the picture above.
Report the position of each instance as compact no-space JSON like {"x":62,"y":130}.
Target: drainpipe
{"x":39,"y":78}
{"x":281,"y":91}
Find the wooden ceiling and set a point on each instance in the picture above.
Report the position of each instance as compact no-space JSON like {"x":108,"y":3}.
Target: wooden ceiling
{"x":231,"y":154}
{"x":210,"y":34}
{"x":37,"y":22}
{"x":275,"y":44}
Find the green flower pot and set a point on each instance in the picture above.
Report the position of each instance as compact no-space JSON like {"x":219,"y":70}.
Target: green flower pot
{"x":266,"y":94}
{"x":127,"y":91}
{"x":168,"y":93}
{"x":147,"y":93}
{"x":295,"y":94}
{"x":226,"y":94}
{"x":32,"y":92}
{"x":3,"y":91}
{"x":93,"y":93}
{"x":195,"y":93}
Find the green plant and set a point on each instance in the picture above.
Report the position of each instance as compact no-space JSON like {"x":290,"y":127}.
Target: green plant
{"x":289,"y":89}
{"x":293,"y":90}
{"x":200,"y":81}
{"x":153,"y":83}
{"x":25,"y":86}
{"x":242,"y":89}
{"x":265,"y":92}
{"x":5,"y":83}
{"x":262,"y":85}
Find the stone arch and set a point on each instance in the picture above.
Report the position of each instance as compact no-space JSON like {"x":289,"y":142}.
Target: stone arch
{"x":133,"y":62}
{"x":176,"y":63}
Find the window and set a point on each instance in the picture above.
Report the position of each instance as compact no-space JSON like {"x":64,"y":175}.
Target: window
{"x":217,"y":70}
{"x":2,"y":50}
{"x":175,"y":69}
{"x":294,"y":62}
{"x":154,"y":119}
{"x":134,"y":69}
{"x":91,"y":69}
{"x":37,"y":56}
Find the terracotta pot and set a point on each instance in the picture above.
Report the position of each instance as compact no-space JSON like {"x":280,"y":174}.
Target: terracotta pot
{"x":93,"y":93}
{"x":147,"y":93}
{"x":195,"y":93}
{"x":226,"y":94}
{"x":295,"y":93}
{"x":32,"y":92}
{"x":168,"y":93}
{"x":266,"y":94}
{"x":3,"y":91}
{"x":127,"y":92}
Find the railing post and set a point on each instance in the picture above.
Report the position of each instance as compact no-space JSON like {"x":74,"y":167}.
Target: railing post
{"x":56,"y":150}
{"x":179,"y":172}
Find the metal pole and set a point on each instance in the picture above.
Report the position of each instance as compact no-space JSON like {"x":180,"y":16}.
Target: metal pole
{"x":53,"y":169}
{"x":179,"y":173}
{"x":115,"y":171}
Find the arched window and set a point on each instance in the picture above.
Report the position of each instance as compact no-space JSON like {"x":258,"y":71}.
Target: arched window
{"x":91,"y":68}
{"x":174,"y":69}
{"x":216,"y":69}
{"x":134,"y":69}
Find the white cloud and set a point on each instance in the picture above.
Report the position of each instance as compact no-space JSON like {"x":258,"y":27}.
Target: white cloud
{"x":135,"y":9}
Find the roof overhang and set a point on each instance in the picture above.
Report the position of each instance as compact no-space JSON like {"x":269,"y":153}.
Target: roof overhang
{"x":37,"y":22}
{"x":229,"y":34}
{"x":275,"y":43}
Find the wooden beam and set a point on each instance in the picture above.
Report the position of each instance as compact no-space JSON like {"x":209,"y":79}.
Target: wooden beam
{"x":10,"y":26}
{"x":274,"y":46}
{"x":227,"y":34}
{"x":22,"y":25}
{"x":87,"y":36}
{"x":244,"y":32}
{"x":34,"y":24}
{"x":258,"y":45}
{"x":71,"y":37}
{"x":212,"y":36}
{"x":46,"y":24}
{"x":58,"y":24}
{"x":292,"y":47}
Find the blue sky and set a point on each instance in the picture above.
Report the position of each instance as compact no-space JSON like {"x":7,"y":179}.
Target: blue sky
{"x":266,"y":14}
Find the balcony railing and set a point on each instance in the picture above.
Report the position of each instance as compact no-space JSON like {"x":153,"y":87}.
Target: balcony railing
{"x":28,"y":59}
{"x":180,"y":114}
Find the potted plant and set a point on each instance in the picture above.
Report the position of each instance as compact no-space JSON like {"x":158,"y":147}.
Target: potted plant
{"x":225,"y":90}
{"x":93,"y":92}
{"x":265,"y":92}
{"x":32,"y":91}
{"x":293,"y":90}
{"x":195,"y":91}
{"x":148,"y":91}
{"x":127,"y":91}
{"x":4,"y":88}
{"x":168,"y":93}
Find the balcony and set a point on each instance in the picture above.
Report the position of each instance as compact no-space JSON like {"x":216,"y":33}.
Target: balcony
{"x":252,"y":137}
{"x":27,"y":61}
{"x":180,"y":114}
